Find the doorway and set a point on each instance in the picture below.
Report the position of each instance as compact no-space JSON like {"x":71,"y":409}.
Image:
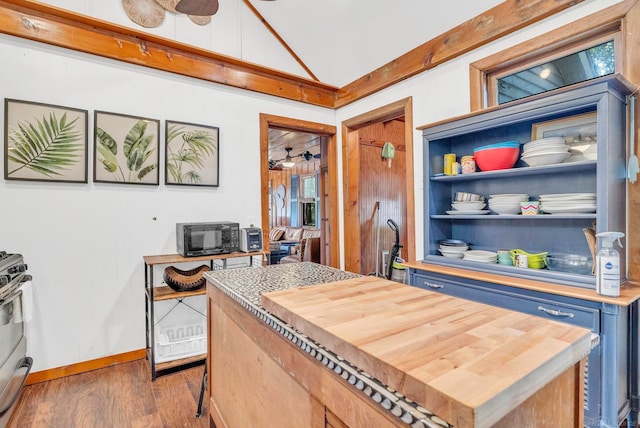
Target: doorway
{"x":327,"y":197}
{"x":375,"y":189}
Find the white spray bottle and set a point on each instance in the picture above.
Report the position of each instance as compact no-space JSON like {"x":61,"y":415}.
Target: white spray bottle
{"x":608,"y":265}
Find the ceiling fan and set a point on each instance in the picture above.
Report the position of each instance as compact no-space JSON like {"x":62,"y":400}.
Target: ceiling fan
{"x":287,"y":161}
{"x":198,"y":7}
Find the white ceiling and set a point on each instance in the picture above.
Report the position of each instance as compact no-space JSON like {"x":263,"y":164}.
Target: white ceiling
{"x":342,"y":40}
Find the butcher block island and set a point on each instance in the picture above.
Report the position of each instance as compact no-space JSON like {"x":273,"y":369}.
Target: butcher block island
{"x":304,"y":345}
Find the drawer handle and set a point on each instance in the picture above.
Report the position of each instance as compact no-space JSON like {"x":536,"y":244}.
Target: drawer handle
{"x":555,"y":313}
{"x":432,"y":285}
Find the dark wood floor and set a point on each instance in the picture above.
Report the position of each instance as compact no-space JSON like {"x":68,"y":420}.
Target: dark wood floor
{"x":118,"y":396}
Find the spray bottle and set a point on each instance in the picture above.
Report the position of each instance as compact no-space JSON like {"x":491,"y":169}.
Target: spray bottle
{"x":608,"y":265}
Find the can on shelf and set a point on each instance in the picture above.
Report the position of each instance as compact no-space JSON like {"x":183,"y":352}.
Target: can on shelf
{"x":468,"y":164}
{"x":455,"y":168}
{"x":449,"y":159}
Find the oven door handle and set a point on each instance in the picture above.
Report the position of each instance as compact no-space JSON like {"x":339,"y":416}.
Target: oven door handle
{"x":18,"y":380}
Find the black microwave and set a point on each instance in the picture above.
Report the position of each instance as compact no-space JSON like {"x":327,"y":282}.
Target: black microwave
{"x":207,"y":238}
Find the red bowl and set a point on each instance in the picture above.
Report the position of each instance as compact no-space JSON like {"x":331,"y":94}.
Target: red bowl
{"x":498,"y":158}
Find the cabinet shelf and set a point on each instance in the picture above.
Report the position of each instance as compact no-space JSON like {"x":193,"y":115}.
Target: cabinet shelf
{"x":520,"y":172}
{"x":165,"y":292}
{"x":518,"y":217}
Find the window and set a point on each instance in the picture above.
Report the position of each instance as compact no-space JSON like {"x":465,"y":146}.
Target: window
{"x":584,"y":49}
{"x":585,"y":64}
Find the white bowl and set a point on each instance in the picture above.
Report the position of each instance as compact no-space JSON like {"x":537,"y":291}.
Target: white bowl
{"x":468,"y":206}
{"x":545,"y":159}
{"x":446,"y":249}
{"x":505,"y":209}
{"x":452,"y":255}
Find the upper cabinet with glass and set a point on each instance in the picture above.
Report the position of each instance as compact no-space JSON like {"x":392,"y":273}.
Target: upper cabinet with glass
{"x":598,"y":104}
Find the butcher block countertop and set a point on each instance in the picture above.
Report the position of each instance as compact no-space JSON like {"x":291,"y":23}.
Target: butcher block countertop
{"x":468,"y":362}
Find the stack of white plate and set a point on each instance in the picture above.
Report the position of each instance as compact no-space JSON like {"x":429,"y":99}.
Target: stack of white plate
{"x":453,"y":248}
{"x":568,"y":203}
{"x":507,"y":203}
{"x":481,"y":256}
{"x":546,"y":151}
{"x":468,"y":208}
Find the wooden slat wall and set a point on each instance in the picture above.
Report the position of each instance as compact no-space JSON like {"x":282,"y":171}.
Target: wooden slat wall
{"x":282,"y":216}
{"x":378,"y":183}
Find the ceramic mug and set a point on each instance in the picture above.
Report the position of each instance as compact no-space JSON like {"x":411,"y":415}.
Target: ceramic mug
{"x":521,"y":260}
{"x":504,"y":258}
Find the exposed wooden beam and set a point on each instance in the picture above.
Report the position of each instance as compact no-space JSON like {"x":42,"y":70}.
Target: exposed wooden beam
{"x":497,"y":22}
{"x":280,"y":39}
{"x":47,"y":24}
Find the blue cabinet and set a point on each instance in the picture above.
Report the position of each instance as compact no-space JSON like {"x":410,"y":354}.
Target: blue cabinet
{"x":611,"y":381}
{"x":605,"y":100}
{"x":611,"y":373}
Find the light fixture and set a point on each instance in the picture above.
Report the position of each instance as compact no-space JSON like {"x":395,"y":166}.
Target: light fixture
{"x":288,"y":162}
{"x":545,"y":73}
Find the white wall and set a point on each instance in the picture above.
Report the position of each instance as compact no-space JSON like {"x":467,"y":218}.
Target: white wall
{"x":84,"y":243}
{"x":443,"y":92}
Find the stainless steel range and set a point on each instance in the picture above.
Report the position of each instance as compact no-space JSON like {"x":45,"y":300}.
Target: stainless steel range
{"x":14,"y":311}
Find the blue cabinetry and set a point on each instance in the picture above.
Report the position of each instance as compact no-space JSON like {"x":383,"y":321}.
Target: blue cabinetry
{"x":611,"y":376}
{"x":611,"y":370}
{"x":605,"y":99}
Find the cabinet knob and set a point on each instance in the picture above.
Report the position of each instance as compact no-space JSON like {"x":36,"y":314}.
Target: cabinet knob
{"x":555,"y":313}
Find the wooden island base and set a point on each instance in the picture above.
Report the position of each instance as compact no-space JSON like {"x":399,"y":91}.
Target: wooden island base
{"x":258,"y":378}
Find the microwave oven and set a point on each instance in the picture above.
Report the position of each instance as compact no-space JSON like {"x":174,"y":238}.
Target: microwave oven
{"x":250,"y":239}
{"x":207,"y":238}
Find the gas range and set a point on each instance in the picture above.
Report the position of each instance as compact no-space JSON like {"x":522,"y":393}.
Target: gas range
{"x":12,"y":274}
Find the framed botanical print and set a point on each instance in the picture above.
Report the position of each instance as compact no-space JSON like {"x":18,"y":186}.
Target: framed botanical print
{"x":44,"y":142}
{"x":192,"y":154}
{"x":126,"y":149}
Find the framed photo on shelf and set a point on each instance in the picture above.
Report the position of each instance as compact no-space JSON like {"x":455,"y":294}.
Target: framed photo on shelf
{"x":126,"y":149}
{"x":192,"y":154}
{"x":44,"y":142}
{"x":576,"y":130}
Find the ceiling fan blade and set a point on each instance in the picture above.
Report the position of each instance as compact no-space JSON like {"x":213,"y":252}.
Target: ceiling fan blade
{"x":198,"y":7}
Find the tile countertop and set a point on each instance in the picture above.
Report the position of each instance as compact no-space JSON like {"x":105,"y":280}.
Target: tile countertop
{"x":246,"y":287}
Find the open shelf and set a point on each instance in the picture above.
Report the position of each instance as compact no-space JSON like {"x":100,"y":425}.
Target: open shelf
{"x":520,"y":172}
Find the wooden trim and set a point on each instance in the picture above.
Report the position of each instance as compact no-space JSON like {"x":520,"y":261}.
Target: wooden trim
{"x":85,"y":366}
{"x":499,"y":21}
{"x":51,"y":25}
{"x":280,"y":39}
{"x":54,"y":26}
{"x":329,"y":131}
{"x":351,"y":174}
{"x":589,"y":26}
{"x":631,"y":71}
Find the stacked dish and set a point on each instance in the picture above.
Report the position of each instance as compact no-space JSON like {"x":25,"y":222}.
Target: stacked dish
{"x":481,"y":256}
{"x":468,"y":208}
{"x":453,"y":248}
{"x":507,"y":203}
{"x":546,"y":151}
{"x":568,"y":203}
{"x":582,"y":152}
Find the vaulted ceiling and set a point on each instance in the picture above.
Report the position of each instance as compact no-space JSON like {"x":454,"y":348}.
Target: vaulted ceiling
{"x":341,"y":40}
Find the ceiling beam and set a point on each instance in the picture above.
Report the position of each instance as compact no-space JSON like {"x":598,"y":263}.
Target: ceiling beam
{"x":51,"y":25}
{"x":47,"y":24}
{"x":497,"y":22}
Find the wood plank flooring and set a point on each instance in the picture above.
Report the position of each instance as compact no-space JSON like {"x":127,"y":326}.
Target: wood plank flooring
{"x":118,"y":396}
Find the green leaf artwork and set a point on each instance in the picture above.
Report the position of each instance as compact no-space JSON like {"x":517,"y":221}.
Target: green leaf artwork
{"x":128,"y":160}
{"x":48,"y":147}
{"x":191,"y":154}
